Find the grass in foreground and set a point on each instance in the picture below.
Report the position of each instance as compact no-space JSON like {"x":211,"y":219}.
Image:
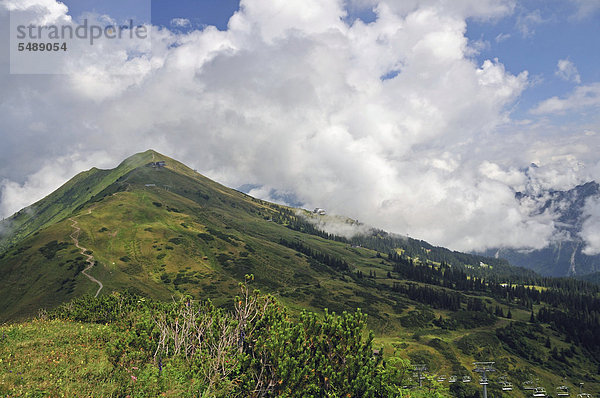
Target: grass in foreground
{"x":55,"y":358}
{"x":125,"y":345}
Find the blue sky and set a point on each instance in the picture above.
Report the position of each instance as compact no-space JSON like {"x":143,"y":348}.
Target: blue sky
{"x":538,"y":45}
{"x":198,"y":12}
{"x":138,"y":10}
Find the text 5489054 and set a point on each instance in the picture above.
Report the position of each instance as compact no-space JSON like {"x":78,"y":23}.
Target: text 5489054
{"x":42,"y":46}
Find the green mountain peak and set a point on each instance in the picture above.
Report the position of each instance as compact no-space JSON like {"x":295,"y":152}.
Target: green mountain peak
{"x":61,"y":203}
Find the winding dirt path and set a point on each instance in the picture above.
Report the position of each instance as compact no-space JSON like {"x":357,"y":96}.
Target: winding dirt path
{"x":90,"y":258}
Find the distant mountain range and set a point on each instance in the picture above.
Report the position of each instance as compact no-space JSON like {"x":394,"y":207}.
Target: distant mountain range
{"x":564,"y":256}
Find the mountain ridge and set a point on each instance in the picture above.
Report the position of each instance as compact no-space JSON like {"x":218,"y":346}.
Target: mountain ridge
{"x":57,"y":205}
{"x":142,"y":221}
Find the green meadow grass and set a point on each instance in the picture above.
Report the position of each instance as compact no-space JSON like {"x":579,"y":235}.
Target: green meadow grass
{"x":55,"y":358}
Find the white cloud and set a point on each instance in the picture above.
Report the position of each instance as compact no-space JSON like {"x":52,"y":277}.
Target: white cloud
{"x":512,"y":177}
{"x":47,"y":12}
{"x":480,"y":9}
{"x":585,"y":8}
{"x":291,"y":97}
{"x":582,"y":98}
{"x":277,"y":19}
{"x":566,"y":70}
{"x":527,"y":21}
{"x":180,"y":22}
{"x":15,"y":196}
{"x":502,"y":37}
{"x":590,"y":232}
{"x":336,"y":225}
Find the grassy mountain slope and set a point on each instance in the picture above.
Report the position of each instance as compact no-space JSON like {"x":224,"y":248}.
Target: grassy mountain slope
{"x":181,"y":233}
{"x":166,"y":231}
{"x":62,"y":202}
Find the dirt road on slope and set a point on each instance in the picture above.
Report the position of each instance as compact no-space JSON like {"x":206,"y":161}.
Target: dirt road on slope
{"x":90,"y":258}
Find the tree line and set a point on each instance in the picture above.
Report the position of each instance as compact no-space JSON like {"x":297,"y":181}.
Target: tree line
{"x":324,"y":258}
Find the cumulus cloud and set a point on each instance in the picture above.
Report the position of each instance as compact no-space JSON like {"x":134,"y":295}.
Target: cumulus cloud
{"x":291,"y":97}
{"x":567,"y":70}
{"x":582,"y":98}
